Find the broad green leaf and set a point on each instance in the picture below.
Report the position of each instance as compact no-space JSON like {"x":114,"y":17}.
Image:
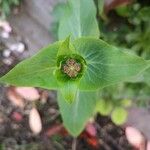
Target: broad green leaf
{"x":119,"y":115}
{"x":69,"y":91}
{"x":104,"y":107}
{"x":76,"y":115}
{"x":106,"y":64}
{"x":37,"y":71}
{"x":79,"y":20}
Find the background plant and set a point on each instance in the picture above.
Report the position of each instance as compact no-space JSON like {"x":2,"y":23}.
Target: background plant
{"x":131,"y":33}
{"x":5,"y":7}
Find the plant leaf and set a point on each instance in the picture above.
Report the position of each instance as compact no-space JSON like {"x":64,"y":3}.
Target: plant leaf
{"x":36,"y":71}
{"x":144,"y":14}
{"x":126,"y":103}
{"x":78,"y":20}
{"x":106,"y":64}
{"x":104,"y":107}
{"x":119,"y":115}
{"x":65,"y":48}
{"x":76,"y":115}
{"x":69,"y":91}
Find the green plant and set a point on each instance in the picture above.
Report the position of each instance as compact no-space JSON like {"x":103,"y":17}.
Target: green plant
{"x":134,"y":33}
{"x":5,"y":7}
{"x":78,"y":66}
{"x":128,"y":27}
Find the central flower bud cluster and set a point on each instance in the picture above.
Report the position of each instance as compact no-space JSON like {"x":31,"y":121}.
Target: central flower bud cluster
{"x":71,"y":67}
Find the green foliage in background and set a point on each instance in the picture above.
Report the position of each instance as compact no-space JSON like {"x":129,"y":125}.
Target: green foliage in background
{"x":79,"y":66}
{"x":69,"y":19}
{"x":75,"y":23}
{"x":5,"y":7}
{"x":129,"y":28}
{"x":133,"y":32}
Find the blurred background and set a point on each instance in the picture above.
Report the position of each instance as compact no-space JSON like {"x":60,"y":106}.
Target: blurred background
{"x":28,"y":25}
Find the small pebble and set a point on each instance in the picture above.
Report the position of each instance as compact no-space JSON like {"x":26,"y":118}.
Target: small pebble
{"x":90,"y":129}
{"x":35,"y":122}
{"x":6,"y":53}
{"x":17,"y":116}
{"x":44,"y":97}
{"x":134,"y":137}
{"x":15,"y":99}
{"x":15,"y":126}
{"x":4,"y":34}
{"x":13,"y":47}
{"x":52,"y":110}
{"x":7,"y":61}
{"x":148,"y":145}
{"x":6,"y":26}
{"x":18,"y":47}
{"x":32,"y":95}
